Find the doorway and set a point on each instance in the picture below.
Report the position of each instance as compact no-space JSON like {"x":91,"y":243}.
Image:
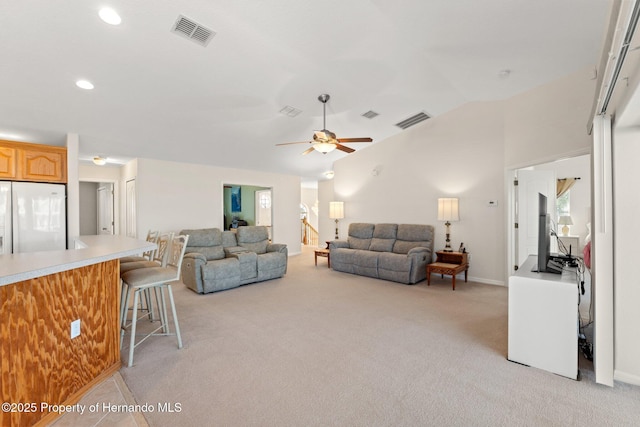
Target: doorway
{"x":247,"y":205}
{"x":97,"y":208}
{"x":576,"y":204}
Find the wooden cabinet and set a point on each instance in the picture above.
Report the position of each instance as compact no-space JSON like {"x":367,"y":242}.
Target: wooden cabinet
{"x":32,"y":162}
{"x":8,"y":162}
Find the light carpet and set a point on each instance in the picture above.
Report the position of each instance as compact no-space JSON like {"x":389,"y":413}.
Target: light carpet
{"x":323,"y":348}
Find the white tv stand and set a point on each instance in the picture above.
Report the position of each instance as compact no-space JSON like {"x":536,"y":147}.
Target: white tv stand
{"x":543,"y":320}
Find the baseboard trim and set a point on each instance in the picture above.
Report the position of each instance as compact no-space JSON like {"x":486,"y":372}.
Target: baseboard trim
{"x":487,"y":281}
{"x":626,"y":377}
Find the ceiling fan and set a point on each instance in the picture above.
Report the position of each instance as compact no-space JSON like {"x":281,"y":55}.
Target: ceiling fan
{"x":324,"y":140}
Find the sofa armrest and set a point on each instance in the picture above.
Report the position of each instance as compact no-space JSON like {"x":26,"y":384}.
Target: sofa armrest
{"x":277,"y":247}
{"x":335,"y":244}
{"x":421,"y":253}
{"x":192,"y":271}
{"x":195,"y":256}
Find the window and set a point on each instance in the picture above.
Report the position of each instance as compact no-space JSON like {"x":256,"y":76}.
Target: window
{"x":563,"y":205}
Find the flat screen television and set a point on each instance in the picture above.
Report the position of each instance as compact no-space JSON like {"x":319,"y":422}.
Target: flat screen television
{"x":544,"y":235}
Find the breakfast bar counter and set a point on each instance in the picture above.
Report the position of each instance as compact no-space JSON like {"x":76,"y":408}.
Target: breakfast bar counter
{"x":90,"y":250}
{"x":59,"y":325}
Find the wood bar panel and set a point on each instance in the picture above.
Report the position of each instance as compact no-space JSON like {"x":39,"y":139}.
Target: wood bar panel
{"x":39,"y":361}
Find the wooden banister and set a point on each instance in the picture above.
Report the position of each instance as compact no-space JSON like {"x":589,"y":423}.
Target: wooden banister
{"x":309,"y":234}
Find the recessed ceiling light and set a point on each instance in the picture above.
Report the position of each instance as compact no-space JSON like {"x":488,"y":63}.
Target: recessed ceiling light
{"x":110,"y":16}
{"x":84,"y":84}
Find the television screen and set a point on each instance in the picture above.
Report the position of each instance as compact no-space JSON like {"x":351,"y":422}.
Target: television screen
{"x":544,"y":234}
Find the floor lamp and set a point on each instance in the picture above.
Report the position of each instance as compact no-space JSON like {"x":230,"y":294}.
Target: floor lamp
{"x":448,"y":211}
{"x":336,"y":211}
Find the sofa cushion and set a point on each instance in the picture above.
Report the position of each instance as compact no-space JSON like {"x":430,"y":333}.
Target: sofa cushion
{"x":385,"y":231}
{"x":412,"y":236}
{"x":254,"y":238}
{"x":360,"y":235}
{"x":229,"y":239}
{"x":381,"y":245}
{"x":384,"y":236}
{"x":366,"y":263}
{"x":207,"y":241}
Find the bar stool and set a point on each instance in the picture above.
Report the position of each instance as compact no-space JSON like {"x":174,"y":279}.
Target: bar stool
{"x":156,"y":279}
{"x":159,"y":260}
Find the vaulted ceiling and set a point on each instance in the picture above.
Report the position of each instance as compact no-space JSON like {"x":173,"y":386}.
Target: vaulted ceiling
{"x":161,"y":95}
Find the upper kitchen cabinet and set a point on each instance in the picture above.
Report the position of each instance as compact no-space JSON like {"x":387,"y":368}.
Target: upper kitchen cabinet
{"x":8,"y":162}
{"x":32,"y":162}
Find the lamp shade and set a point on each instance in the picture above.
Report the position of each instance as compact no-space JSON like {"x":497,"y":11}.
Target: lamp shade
{"x":336,"y":210}
{"x":565,"y":220}
{"x":448,"y":209}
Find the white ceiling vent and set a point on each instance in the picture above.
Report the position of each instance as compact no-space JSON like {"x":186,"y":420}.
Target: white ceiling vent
{"x":370,"y":114}
{"x":407,"y":123}
{"x":190,"y":29}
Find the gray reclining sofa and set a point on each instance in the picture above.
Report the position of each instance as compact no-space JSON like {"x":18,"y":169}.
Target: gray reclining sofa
{"x":397,"y":252}
{"x":217,"y":260}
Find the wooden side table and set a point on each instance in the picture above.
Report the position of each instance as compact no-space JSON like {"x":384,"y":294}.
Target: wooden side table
{"x":322,"y":253}
{"x":449,"y":263}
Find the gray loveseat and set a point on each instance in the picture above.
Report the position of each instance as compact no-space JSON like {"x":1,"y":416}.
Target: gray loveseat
{"x":397,"y":252}
{"x":217,"y":260}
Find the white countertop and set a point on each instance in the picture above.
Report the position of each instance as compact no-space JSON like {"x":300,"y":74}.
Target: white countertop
{"x":93,"y":249}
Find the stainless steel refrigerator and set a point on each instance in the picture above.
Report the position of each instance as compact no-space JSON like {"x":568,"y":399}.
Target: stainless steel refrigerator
{"x":32,"y":217}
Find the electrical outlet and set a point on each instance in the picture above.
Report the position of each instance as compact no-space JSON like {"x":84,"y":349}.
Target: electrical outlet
{"x":75,"y":328}
{"x":492,"y":203}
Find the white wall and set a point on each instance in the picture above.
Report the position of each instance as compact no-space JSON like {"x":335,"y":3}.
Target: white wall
{"x":626,"y":176}
{"x":326,"y":225}
{"x":458,"y":154}
{"x":549,"y":122}
{"x":174,"y":196}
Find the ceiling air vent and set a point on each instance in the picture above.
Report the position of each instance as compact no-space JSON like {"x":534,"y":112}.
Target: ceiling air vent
{"x":290,"y":111}
{"x":407,"y":123}
{"x":370,"y":114}
{"x":190,"y":29}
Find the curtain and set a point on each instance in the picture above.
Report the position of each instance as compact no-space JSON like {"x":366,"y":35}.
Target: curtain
{"x":564,"y":185}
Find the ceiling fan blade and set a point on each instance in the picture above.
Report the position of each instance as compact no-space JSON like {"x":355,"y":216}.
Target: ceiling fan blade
{"x":355,"y":140}
{"x":289,"y":143}
{"x":307,"y":151}
{"x":344,"y":148}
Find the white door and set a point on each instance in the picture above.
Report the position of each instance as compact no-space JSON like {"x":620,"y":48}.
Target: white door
{"x":263,"y":209}
{"x":530,"y":183}
{"x":105,"y":209}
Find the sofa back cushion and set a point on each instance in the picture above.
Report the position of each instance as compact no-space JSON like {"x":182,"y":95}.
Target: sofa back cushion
{"x":360,"y":235}
{"x":254,"y":238}
{"x":207,"y":241}
{"x":229,"y":239}
{"x":384,"y":236}
{"x":412,"y":236}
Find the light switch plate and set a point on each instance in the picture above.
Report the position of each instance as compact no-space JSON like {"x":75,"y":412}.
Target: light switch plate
{"x":75,"y":328}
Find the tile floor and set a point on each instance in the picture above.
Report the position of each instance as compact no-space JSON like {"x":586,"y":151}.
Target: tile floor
{"x":109,"y":393}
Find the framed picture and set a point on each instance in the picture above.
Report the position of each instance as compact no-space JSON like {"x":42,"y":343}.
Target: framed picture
{"x":236,"y":201}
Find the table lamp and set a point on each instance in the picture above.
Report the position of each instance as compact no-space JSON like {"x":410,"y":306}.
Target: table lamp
{"x":336,"y":211}
{"x":566,"y":221}
{"x":448,"y":211}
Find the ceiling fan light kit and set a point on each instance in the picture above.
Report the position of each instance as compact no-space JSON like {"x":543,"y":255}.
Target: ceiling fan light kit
{"x":325,"y":141}
{"x":324,"y":147}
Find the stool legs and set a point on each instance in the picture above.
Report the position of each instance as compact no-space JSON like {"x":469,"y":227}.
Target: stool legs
{"x":162,"y":311}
